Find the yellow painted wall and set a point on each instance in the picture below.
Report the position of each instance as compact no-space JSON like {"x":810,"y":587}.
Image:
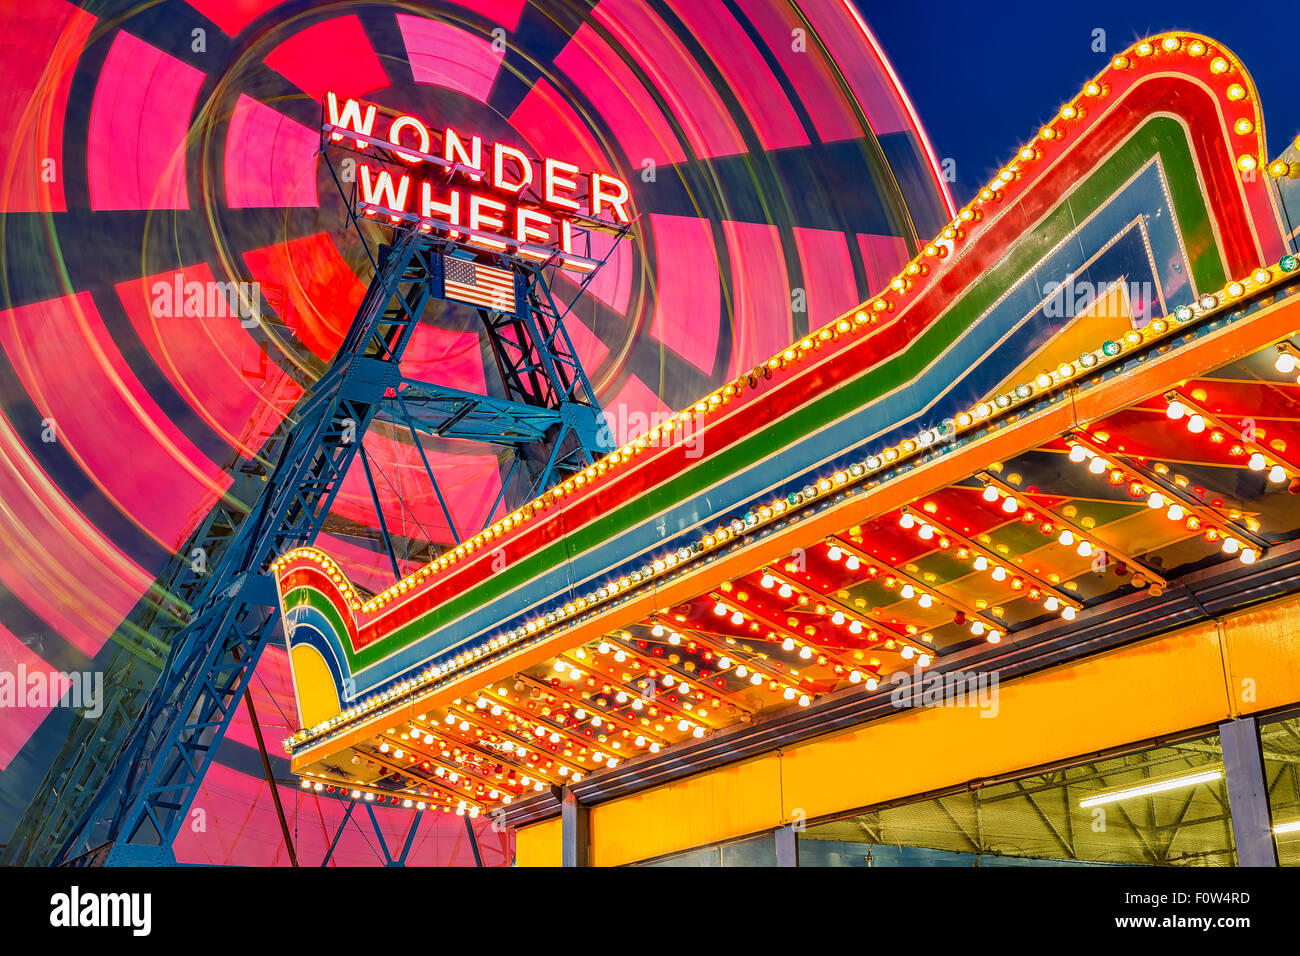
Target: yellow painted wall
{"x":539,"y":844}
{"x":1199,"y":675}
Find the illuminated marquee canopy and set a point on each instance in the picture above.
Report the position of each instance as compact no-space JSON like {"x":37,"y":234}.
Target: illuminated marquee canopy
{"x":493,"y":195}
{"x":954,"y":471}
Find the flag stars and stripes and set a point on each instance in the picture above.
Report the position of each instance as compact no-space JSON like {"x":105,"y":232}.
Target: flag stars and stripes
{"x":475,"y":284}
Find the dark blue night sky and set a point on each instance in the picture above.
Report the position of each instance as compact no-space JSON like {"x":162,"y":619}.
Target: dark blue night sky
{"x":984,"y":77}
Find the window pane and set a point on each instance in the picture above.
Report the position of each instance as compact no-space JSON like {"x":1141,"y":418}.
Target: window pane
{"x":1178,"y":815}
{"x":1281,"y":742}
{"x":753,"y":851}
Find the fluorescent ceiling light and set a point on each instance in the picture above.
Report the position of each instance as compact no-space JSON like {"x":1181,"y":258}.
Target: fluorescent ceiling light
{"x":1292,"y":827}
{"x":1157,"y":786}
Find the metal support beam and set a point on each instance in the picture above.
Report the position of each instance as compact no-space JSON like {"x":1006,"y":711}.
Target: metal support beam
{"x":473,"y":840}
{"x":270,"y":777}
{"x":446,"y":412}
{"x":575,"y":839}
{"x":410,"y":838}
{"x":379,"y":833}
{"x":338,"y":834}
{"x":1243,"y":767}
{"x":787,"y":846}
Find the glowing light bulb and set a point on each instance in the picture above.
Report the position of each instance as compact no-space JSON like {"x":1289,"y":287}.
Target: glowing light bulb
{"x":838,"y":617}
{"x":1175,"y":410}
{"x":785,"y":591}
{"x":908,"y":653}
{"x":977,"y":628}
{"x":855,"y":627}
{"x":1285,"y":363}
{"x":1175,"y":512}
{"x":1078,"y":453}
{"x":1231,"y":545}
{"x":1248,"y":555}
{"x":907,"y":591}
{"x":737,"y":618}
{"x":926,"y":532}
{"x":990,"y":493}
{"x":1066,"y":538}
{"x":853,"y":563}
{"x":1068,"y":612}
{"x":994,"y":637}
{"x":980,"y":563}
{"x":787,"y":644}
{"x":925,"y":600}
{"x":1098,"y":465}
{"x":1084,"y":549}
{"x":768,"y":581}
{"x":834,"y":554}
{"x":1277,"y":473}
{"x":1051,"y":604}
{"x":1196,"y":424}
{"x":999,"y":573}
{"x":1009,"y":504}
{"x":724,"y":662}
{"x":854,"y":678}
{"x":907,"y":521}
{"x":1157,"y":500}
{"x":657,"y":630}
{"x":1257,"y":462}
{"x":719,"y":609}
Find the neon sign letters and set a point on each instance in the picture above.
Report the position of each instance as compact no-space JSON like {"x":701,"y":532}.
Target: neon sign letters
{"x":491,"y":194}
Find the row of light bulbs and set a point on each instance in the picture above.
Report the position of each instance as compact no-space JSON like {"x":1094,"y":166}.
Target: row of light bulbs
{"x":1174,"y":509}
{"x":484,"y":708}
{"x":1196,"y":424}
{"x":996,"y":570}
{"x":453,"y":776}
{"x":462,"y":808}
{"x":1083,"y":546}
{"x":854,"y":624}
{"x":639,"y":701}
{"x":636,"y":701}
{"x":911,"y":592}
{"x":839,"y":618}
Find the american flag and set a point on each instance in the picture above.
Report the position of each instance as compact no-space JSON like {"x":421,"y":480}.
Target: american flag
{"x":470,"y":282}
